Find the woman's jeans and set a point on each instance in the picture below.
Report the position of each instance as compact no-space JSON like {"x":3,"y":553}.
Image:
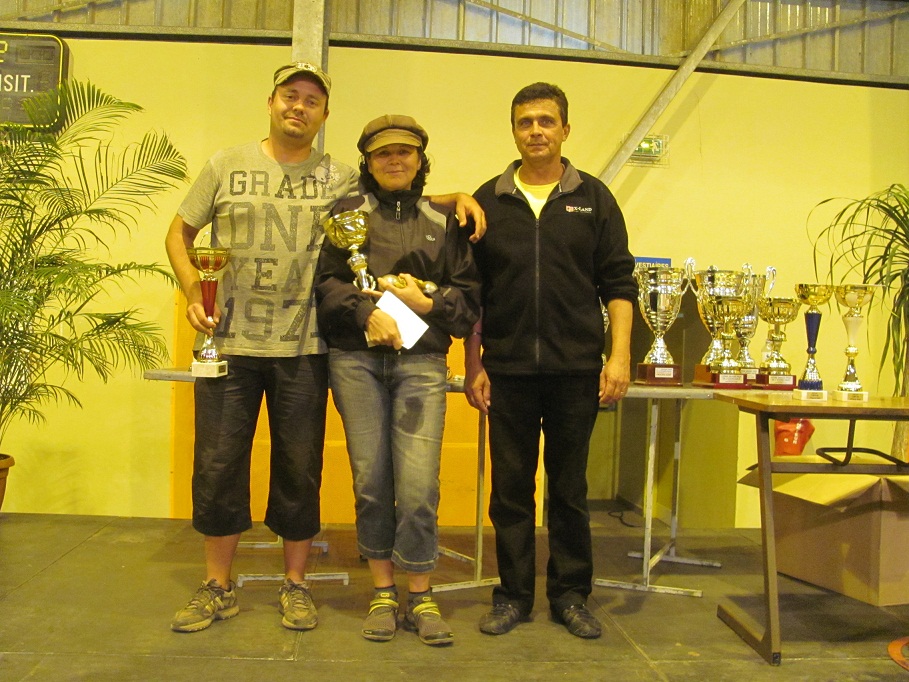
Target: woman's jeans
{"x":393,"y":409}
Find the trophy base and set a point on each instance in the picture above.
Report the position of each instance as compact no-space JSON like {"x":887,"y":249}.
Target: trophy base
{"x":703,"y":376}
{"x":750,"y":374}
{"x":775,"y":382}
{"x":818,"y":395}
{"x":210,"y":370}
{"x":659,"y":375}
{"x":851,"y":396}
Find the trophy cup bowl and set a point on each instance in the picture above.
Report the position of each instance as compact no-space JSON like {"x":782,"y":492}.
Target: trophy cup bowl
{"x":208,"y":261}
{"x":811,"y":386}
{"x":660,"y":292}
{"x":852,"y":297}
{"x":348,"y":230}
{"x":716,"y":283}
{"x":775,"y":371}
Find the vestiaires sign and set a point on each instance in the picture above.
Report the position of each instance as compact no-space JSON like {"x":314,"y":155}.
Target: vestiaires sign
{"x":29,"y":65}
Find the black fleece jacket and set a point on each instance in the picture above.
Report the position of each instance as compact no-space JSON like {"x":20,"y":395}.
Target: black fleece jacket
{"x":543,"y":279}
{"x":406,"y":234}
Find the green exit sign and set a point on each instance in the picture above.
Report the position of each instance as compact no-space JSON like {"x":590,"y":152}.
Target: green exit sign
{"x":29,"y":64}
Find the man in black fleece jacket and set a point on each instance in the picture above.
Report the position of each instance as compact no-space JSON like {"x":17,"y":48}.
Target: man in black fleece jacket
{"x":555,"y":248}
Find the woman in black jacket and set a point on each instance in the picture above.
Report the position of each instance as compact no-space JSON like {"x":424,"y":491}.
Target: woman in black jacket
{"x":390,"y":390}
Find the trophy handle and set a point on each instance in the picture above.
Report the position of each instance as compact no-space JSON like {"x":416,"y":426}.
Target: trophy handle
{"x":689,"y":274}
{"x":771,"y":279}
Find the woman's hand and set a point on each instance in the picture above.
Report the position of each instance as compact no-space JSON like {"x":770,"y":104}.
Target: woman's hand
{"x":411,"y":294}
{"x":382,"y":330}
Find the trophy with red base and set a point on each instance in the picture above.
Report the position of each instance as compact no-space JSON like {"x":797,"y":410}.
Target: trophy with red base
{"x":660,"y":292}
{"x":208,"y":261}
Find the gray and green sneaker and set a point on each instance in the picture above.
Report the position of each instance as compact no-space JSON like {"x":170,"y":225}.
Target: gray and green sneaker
{"x":424,"y":618}
{"x":297,"y":606}
{"x":382,"y":620}
{"x":211,"y":602}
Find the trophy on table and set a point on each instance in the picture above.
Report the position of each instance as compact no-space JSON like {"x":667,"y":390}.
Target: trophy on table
{"x":811,"y":386}
{"x":660,"y":290}
{"x":348,"y":230}
{"x":208,"y":260}
{"x":852,"y":297}
{"x":775,"y":371}
{"x":720,"y":298}
{"x":746,"y":325}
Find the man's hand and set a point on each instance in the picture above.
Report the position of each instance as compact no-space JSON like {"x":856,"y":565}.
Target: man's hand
{"x":382,"y":330}
{"x":195,"y":313}
{"x":466,"y":206}
{"x":476,"y":388}
{"x":614,"y":379}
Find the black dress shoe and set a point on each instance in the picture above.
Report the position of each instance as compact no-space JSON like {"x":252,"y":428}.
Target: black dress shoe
{"x":580,"y":622}
{"x":500,"y":619}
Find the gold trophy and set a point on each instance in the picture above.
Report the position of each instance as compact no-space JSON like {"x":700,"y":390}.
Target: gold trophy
{"x":852,"y":297}
{"x":348,"y":230}
{"x":397,"y":281}
{"x":208,"y":260}
{"x":746,"y":325}
{"x":811,"y":386}
{"x":775,"y":371}
{"x":716,"y":292}
{"x":660,"y":290}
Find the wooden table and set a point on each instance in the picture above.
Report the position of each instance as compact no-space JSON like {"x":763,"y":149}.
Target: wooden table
{"x":779,"y":406}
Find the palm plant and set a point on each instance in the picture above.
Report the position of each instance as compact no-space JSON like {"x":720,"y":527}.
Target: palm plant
{"x":67,"y":191}
{"x":870,"y":238}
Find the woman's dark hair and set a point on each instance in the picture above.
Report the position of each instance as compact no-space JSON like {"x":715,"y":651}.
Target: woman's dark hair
{"x":419,"y":182}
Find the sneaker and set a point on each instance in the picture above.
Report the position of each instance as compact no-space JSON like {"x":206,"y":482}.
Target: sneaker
{"x":296,"y":605}
{"x":501,"y":618}
{"x":382,"y":620}
{"x":211,"y":602}
{"x":425,"y":619}
{"x":579,"y":621}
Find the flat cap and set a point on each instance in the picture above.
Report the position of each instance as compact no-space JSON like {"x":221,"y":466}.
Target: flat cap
{"x":392,"y":129}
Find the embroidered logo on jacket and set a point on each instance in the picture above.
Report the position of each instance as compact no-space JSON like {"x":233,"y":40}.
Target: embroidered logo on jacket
{"x":579,"y":209}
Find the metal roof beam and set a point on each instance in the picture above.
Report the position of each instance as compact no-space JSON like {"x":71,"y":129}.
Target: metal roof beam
{"x":670,"y":90}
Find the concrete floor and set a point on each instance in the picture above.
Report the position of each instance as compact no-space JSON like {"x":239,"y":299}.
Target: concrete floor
{"x":90,"y":598}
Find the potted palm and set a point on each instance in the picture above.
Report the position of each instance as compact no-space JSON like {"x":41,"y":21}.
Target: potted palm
{"x":66,"y":192}
{"x":869,"y":238}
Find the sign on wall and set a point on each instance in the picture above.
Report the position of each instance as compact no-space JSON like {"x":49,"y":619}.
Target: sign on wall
{"x":29,"y":64}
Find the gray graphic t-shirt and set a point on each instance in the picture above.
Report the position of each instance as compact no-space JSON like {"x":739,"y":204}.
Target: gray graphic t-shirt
{"x":270,"y":215}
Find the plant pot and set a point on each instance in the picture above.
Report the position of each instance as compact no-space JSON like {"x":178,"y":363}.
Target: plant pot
{"x":5,"y":463}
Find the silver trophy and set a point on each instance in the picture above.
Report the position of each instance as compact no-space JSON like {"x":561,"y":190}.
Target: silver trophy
{"x":775,"y":371}
{"x":348,"y":230}
{"x":852,"y":297}
{"x":746,"y":325}
{"x":660,"y":290}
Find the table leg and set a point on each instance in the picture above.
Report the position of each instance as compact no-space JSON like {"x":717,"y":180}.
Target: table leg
{"x":477,"y":559}
{"x":763,"y":638}
{"x":649,"y":559}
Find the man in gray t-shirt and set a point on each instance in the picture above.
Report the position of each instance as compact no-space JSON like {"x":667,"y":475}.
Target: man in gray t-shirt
{"x":266,"y":201}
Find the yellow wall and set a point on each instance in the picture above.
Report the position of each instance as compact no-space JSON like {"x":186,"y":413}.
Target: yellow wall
{"x":749,"y":158}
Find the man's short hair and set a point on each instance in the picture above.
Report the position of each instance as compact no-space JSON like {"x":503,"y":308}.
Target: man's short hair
{"x":538,"y":91}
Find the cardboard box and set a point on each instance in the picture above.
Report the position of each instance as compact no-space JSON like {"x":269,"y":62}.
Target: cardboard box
{"x":846,"y":532}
